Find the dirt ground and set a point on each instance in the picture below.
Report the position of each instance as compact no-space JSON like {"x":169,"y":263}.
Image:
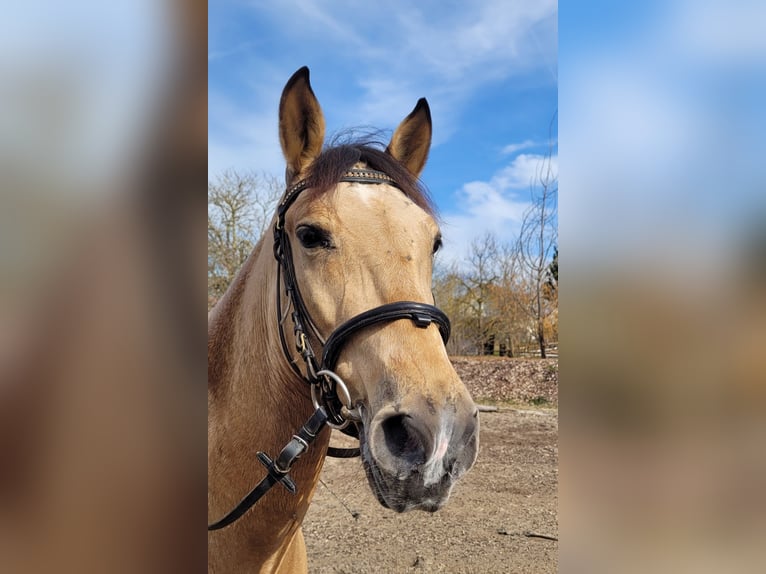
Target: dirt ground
{"x":496,"y":520}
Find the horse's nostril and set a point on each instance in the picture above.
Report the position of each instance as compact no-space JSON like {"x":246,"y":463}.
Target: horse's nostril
{"x":403,"y":440}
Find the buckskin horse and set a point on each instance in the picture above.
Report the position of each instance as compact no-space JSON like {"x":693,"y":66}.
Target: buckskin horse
{"x":331,"y":324}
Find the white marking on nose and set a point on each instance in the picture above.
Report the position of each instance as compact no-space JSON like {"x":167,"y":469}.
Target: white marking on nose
{"x":434,"y":469}
{"x":442,"y":450}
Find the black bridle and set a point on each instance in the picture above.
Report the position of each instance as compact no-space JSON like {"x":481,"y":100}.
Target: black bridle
{"x":330,"y":396}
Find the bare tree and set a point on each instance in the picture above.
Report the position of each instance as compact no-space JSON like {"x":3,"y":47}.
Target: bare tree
{"x":538,"y":238}
{"x":239,"y":207}
{"x":509,"y":300}
{"x":480,"y":280}
{"x":465,"y":294}
{"x":449,"y":295}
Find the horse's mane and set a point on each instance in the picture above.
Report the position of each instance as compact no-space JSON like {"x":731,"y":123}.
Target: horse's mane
{"x":340,"y":156}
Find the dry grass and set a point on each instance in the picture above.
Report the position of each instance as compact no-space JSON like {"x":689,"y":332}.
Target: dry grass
{"x":514,"y":381}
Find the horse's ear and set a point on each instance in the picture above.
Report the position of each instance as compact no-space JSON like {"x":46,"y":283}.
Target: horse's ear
{"x":412,"y":139}
{"x":301,"y":124}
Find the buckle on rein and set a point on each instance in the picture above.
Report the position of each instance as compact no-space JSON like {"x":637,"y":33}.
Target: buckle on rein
{"x":324,"y":414}
{"x":323,"y":390}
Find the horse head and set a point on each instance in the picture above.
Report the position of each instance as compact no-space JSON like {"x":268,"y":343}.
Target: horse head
{"x":360,"y":245}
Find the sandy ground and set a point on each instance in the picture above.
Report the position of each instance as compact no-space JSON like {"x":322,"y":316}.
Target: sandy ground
{"x":509,"y":494}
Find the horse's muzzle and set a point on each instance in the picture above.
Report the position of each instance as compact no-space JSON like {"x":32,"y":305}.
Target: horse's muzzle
{"x":414,"y":456}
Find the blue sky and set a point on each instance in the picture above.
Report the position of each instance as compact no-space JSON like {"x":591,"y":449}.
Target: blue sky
{"x":488,"y":69}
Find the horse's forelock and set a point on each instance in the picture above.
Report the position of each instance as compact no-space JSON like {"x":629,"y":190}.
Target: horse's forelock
{"x":330,"y":166}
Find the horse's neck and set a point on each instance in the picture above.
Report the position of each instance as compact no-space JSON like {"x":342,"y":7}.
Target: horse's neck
{"x":255,"y":403}
{"x":244,"y":354}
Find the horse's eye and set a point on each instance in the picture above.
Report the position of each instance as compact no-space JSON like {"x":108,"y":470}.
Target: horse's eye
{"x":437,"y":243}
{"x":312,"y":237}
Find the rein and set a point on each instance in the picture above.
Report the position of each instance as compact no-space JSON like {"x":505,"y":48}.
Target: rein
{"x":329,"y":394}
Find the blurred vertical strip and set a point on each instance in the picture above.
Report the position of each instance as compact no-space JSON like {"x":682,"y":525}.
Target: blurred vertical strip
{"x":662,"y":286}
{"x":103,"y":170}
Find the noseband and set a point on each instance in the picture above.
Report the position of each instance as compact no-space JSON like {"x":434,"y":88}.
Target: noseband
{"x":330,"y":396}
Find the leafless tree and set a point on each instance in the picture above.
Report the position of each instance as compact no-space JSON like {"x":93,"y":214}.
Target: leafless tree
{"x":464,"y":292}
{"x":449,"y":295}
{"x":509,"y":300}
{"x":479,"y":280}
{"x":240,"y":205}
{"x":538,"y":238}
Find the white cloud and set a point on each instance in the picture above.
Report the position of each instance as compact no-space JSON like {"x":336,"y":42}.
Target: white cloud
{"x":425,"y":49}
{"x":523,"y":171}
{"x":514,"y":147}
{"x":480,"y":39}
{"x":214,"y":55}
{"x":496,"y":205}
{"x":386,"y":102}
{"x":450,"y":55}
{"x":242,"y":139}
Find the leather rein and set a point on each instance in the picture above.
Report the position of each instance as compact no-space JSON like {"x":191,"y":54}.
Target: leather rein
{"x":329,"y":394}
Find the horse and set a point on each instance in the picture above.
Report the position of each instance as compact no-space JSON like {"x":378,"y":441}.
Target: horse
{"x":347,"y":278}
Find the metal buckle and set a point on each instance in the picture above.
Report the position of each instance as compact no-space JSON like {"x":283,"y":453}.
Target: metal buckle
{"x":300,"y":342}
{"x":341,"y":390}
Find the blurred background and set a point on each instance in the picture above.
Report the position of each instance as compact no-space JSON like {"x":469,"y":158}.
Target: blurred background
{"x":103,"y":162}
{"x":103,"y":146}
{"x":662,"y":286}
